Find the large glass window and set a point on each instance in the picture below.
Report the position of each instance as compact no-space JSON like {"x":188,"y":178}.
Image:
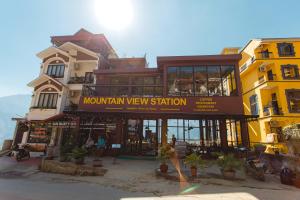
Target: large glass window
{"x":47,"y":100}
{"x":202,"y":81}
{"x":186,"y":80}
{"x":56,"y":71}
{"x":214,"y":81}
{"x":200,"y":77}
{"x":173,"y":82}
{"x":228,"y":80}
{"x":293,"y":100}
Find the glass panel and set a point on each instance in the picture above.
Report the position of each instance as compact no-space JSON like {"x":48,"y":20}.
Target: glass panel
{"x":137,"y":91}
{"x":200,"y":76}
{"x":41,"y":100}
{"x":186,"y":81}
{"x":214,"y":81}
{"x":54,"y":100}
{"x":119,"y":80}
{"x":148,"y":91}
{"x":173,"y":82}
{"x":45,"y":101}
{"x":228,"y":80}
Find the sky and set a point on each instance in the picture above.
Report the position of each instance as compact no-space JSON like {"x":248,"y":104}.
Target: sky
{"x":158,"y":28}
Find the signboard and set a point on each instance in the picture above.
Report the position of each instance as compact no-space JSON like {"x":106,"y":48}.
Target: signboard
{"x":218,"y":104}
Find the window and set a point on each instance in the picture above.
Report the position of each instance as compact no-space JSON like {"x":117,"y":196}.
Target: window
{"x":202,"y":81}
{"x":293,"y":100}
{"x":214,"y":81}
{"x":285,"y":49}
{"x":119,"y":80}
{"x":56,"y":71}
{"x":290,"y":71}
{"x":47,"y":100}
{"x":200,"y":77}
{"x":89,"y":77}
{"x":254,"y":105}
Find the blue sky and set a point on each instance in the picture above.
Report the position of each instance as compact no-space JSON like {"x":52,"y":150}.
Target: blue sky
{"x":159,"y":28}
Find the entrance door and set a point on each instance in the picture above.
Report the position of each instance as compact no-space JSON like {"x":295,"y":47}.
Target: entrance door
{"x":141,"y":137}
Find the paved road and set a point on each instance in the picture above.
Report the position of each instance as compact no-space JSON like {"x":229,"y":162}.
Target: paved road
{"x":20,"y":189}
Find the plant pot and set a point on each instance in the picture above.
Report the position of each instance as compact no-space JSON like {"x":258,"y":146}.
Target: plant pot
{"x":228,"y":174}
{"x":97,"y":163}
{"x":79,"y":161}
{"x":194,"y":171}
{"x":297,"y":182}
{"x":163,"y":168}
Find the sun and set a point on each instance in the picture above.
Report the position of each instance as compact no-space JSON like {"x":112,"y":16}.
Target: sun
{"x":114,"y":14}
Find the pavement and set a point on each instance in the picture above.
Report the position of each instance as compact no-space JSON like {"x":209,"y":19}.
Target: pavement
{"x":130,"y":179}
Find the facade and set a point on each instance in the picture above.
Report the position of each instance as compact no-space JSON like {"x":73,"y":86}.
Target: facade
{"x":86,"y":89}
{"x":269,"y":71}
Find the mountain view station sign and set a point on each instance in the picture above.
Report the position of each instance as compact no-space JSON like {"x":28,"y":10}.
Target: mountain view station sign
{"x":216,"y":105}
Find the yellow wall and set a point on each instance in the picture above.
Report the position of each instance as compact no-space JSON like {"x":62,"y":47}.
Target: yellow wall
{"x":264,"y":88}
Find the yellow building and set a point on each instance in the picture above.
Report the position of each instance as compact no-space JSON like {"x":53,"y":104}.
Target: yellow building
{"x":269,"y":71}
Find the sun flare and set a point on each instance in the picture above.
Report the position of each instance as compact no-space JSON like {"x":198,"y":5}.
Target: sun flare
{"x":114,"y":14}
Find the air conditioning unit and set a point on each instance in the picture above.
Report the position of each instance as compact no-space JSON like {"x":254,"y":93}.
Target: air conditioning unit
{"x":262,"y":68}
{"x":76,"y":66}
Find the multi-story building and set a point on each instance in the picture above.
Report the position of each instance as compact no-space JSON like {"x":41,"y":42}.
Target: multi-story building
{"x":85,"y":89}
{"x":66,"y":66}
{"x":269,"y":71}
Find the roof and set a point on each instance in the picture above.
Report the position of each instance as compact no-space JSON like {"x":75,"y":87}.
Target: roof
{"x":270,"y":40}
{"x":86,"y":39}
{"x":42,"y":79}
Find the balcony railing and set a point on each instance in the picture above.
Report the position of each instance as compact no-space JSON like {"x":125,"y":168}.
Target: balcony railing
{"x":264,"y":55}
{"x":80,"y":80}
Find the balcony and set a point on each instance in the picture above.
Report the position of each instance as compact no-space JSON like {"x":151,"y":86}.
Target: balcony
{"x":80,"y":80}
{"x":264,"y":55}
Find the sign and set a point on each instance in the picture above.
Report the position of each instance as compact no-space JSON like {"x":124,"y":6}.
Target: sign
{"x":116,"y":146}
{"x":218,"y":104}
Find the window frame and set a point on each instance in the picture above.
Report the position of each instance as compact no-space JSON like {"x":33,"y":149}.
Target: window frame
{"x":288,"y":99}
{"x":252,"y":104}
{"x":296,"y":69}
{"x":56,"y":70}
{"x":285,"y":54}
{"x":47,"y":100}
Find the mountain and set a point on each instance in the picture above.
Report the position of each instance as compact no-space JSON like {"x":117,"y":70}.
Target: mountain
{"x":11,"y":106}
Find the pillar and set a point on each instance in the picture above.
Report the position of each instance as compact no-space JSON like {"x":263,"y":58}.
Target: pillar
{"x":245,"y":133}
{"x":223,"y":134}
{"x":164,"y":131}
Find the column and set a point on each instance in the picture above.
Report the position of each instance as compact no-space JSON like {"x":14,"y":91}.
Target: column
{"x":164,"y":131}
{"x":245,"y":133}
{"x":223,"y":134}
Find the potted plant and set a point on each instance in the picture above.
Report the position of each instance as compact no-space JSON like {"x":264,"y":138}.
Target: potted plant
{"x":164,"y":154}
{"x":194,"y":161}
{"x":78,"y":154}
{"x":228,"y":165}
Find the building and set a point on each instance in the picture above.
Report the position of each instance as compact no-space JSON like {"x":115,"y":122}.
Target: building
{"x":269,"y":71}
{"x":84,"y":88}
{"x":65,"y":67}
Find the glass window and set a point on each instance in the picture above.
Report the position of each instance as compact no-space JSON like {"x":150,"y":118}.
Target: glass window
{"x":173,"y":82}
{"x":254,"y":105}
{"x":293,"y":99}
{"x":200,"y":82}
{"x":119,"y":91}
{"x":285,"y":49}
{"x":119,"y":80}
{"x":56,"y":71}
{"x":47,"y":100}
{"x":228,"y":80}
{"x":186,"y":81}
{"x":290,"y":71}
{"x":89,"y":77}
{"x":214,"y":81}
